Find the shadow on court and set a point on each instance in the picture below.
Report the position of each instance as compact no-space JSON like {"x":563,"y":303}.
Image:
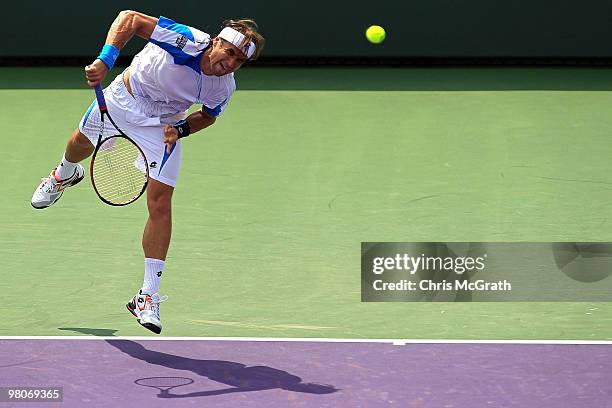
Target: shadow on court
{"x":90,"y":331}
{"x":121,"y":373}
{"x":238,"y":376}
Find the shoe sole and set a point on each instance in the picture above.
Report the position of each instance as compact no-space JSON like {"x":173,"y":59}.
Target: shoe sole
{"x":148,"y":326}
{"x":77,"y":181}
{"x":151,"y":327}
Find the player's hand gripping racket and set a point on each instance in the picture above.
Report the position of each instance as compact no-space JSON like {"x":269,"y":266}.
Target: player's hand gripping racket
{"x":119,"y":169}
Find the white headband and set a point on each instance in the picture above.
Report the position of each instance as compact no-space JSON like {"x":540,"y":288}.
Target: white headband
{"x":236,"y":38}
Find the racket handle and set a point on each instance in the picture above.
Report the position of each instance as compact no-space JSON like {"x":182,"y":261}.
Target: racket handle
{"x":100,"y":97}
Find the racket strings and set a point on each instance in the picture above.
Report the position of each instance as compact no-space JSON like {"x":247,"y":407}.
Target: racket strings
{"x":119,"y":170}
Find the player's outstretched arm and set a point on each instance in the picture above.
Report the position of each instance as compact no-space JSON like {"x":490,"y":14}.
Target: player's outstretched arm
{"x":127,"y":24}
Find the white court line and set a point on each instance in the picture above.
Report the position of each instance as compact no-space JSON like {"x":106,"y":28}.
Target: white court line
{"x":396,"y":342}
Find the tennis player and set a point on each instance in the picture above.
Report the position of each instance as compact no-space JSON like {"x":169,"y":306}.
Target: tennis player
{"x":180,"y":66}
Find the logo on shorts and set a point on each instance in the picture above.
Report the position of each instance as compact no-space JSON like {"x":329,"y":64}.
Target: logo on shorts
{"x":181,"y":42}
{"x":153,"y":165}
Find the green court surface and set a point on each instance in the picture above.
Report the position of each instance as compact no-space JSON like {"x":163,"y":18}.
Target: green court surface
{"x":275,"y":199}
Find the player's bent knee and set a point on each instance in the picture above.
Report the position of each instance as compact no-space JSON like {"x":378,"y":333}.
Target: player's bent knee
{"x":79,"y":147}
{"x":81,"y":140}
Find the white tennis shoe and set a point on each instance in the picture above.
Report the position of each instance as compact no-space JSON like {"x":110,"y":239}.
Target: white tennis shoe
{"x":146,"y":310}
{"x":51,"y":189}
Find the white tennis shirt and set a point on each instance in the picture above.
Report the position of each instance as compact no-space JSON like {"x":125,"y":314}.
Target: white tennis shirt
{"x":166,"y":78}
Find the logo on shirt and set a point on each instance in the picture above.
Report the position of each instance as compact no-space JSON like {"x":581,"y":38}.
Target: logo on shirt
{"x":181,"y":42}
{"x":153,"y":165}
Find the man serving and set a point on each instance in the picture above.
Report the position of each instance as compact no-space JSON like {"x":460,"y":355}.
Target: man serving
{"x":180,"y":66}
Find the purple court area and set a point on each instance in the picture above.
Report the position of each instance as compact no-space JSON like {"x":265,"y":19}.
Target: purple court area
{"x":118,"y":373}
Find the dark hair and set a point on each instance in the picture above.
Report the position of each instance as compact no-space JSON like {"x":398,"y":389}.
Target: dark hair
{"x":250,"y":29}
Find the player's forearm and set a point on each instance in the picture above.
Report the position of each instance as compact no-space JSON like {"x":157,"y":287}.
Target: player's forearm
{"x":199,"y":120}
{"x":127,"y":24}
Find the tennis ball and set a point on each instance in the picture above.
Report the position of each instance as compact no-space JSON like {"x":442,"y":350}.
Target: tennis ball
{"x":375,"y":34}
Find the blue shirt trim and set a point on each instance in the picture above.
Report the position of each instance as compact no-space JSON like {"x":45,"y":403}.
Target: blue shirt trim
{"x":213,"y":112}
{"x":194,"y":63}
{"x":176,"y":27}
{"x":180,"y":57}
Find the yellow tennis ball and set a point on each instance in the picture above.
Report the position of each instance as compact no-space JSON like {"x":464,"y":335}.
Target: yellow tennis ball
{"x":375,"y":34}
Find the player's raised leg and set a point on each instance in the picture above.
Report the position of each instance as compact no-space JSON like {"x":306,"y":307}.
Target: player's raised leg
{"x":67,"y":173}
{"x":155,"y":243}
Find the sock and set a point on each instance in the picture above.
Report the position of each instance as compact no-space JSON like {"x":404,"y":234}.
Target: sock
{"x":152,"y":275}
{"x":65,"y":169}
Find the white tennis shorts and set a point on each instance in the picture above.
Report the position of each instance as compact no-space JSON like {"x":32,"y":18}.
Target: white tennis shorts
{"x":147,"y":132}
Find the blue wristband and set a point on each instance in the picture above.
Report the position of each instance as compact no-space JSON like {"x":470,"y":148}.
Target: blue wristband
{"x":109,"y":55}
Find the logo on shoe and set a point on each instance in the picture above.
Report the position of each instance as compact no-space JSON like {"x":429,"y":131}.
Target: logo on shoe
{"x":142,"y":303}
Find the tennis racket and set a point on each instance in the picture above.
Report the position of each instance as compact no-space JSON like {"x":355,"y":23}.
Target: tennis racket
{"x":119,"y":170}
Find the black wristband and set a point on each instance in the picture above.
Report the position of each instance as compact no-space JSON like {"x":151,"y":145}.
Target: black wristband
{"x":183,"y":128}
